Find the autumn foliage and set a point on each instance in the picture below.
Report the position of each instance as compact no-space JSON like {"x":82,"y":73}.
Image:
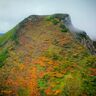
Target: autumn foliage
{"x":46,"y":62}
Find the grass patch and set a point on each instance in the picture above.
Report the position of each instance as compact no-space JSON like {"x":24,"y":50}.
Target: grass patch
{"x":89,"y":85}
{"x":49,"y":18}
{"x":10,"y":35}
{"x":3,"y":56}
{"x":23,"y":91}
{"x":53,"y":52}
{"x":42,"y":84}
{"x":72,"y":85}
{"x":64,"y":30}
{"x":54,"y":20}
{"x":62,"y":26}
{"x":40,"y":68}
{"x":42,"y":93}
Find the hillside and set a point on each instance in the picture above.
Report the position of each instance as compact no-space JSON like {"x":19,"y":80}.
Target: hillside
{"x":41,"y":56}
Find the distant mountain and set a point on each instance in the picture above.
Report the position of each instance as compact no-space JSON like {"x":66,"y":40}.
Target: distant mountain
{"x":47,"y":56}
{"x":1,"y":33}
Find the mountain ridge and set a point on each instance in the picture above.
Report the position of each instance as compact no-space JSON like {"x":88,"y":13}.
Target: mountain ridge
{"x":41,"y":57}
{"x":80,"y":35}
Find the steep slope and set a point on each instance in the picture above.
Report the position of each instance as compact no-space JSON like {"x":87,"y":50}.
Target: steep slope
{"x":94,"y":43}
{"x":41,"y":57}
{"x":78,"y":34}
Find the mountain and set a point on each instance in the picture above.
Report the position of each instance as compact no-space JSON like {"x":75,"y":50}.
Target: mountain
{"x":47,"y":56}
{"x":1,"y":34}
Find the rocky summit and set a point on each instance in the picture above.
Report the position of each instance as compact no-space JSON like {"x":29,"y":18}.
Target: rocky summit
{"x":47,"y":56}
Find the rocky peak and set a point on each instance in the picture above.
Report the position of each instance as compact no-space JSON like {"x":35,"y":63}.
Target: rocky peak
{"x":80,"y":35}
{"x":87,"y":42}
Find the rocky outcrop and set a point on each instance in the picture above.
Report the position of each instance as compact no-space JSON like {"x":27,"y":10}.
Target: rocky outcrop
{"x":94,"y":43}
{"x":80,"y":35}
{"x":87,"y":42}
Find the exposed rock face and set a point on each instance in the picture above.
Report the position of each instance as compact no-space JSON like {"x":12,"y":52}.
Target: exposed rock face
{"x":78,"y":34}
{"x":94,"y":43}
{"x":87,"y":42}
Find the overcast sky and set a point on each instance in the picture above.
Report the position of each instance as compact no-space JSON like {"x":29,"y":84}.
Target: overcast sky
{"x":82,"y":12}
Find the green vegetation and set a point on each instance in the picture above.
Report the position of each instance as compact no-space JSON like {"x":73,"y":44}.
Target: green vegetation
{"x":10,"y":35}
{"x":3,"y":56}
{"x":89,"y":85}
{"x":82,"y":35}
{"x":55,"y":21}
{"x":23,"y":91}
{"x":42,"y":83}
{"x":71,"y":76}
{"x":49,"y":18}
{"x":63,"y":28}
{"x":73,"y":85}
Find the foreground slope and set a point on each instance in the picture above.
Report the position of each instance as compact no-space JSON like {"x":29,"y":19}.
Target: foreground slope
{"x":41,"y":57}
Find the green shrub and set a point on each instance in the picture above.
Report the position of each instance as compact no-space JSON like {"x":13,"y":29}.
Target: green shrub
{"x":64,"y":30}
{"x":90,"y":86}
{"x":83,"y":35}
{"x":72,"y":85}
{"x":10,"y":35}
{"x":55,"y":21}
{"x":56,"y":56}
{"x":49,"y":18}
{"x":62,"y":26}
{"x":14,"y":37}
{"x":46,"y":77}
{"x":42,"y":83}
{"x":42,"y":93}
{"x":3,"y":56}
{"x":23,"y":92}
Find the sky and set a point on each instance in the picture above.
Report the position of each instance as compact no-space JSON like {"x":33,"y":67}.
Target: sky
{"x":82,"y":12}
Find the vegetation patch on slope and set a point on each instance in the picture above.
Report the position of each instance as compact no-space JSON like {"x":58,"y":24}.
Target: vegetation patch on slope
{"x":10,"y":35}
{"x":3,"y":56}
